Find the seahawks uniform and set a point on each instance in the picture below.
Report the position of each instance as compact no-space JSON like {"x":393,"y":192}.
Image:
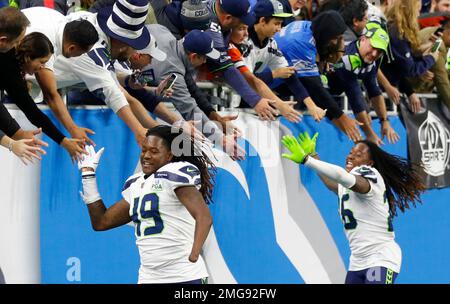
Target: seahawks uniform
{"x":164,"y":228}
{"x":260,"y":56}
{"x":346,"y":76}
{"x":368,"y":224}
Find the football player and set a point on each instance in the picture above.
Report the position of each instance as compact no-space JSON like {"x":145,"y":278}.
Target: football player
{"x":370,"y":189}
{"x":167,"y":203}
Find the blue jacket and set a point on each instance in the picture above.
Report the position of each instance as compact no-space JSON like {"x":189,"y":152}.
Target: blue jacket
{"x":404,"y":63}
{"x":297,"y":44}
{"x":348,"y":71}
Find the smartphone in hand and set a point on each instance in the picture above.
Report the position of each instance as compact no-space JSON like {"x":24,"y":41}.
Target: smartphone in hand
{"x":436,"y":45}
{"x":166,"y":84}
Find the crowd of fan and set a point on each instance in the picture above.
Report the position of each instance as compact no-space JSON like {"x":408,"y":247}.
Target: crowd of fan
{"x":282,"y":57}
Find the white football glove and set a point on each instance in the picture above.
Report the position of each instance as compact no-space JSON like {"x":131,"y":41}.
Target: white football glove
{"x":92,"y":159}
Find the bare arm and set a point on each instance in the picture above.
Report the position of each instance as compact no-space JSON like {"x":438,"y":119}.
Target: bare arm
{"x":262,"y":89}
{"x":362,"y":185}
{"x":364,"y":118}
{"x":165,"y":114}
{"x":105,"y":219}
{"x":260,"y":86}
{"x":47,"y":83}
{"x":139,"y":111}
{"x":379,"y":106}
{"x":349,"y":126}
{"x":195,"y":204}
{"x":386,"y":129}
{"x":102,"y":218}
{"x":391,"y":91}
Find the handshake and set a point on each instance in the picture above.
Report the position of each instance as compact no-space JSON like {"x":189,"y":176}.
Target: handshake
{"x":300,"y":147}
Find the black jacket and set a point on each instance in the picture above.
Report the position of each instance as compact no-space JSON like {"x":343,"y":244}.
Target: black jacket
{"x":12,"y":81}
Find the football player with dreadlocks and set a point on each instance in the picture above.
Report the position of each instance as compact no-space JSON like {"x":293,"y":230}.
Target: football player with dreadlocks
{"x":373,"y":185}
{"x":167,"y":203}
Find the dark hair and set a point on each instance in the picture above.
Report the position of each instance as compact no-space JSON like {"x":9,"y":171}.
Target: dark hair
{"x":402,"y":178}
{"x":327,"y":26}
{"x":34,"y":45}
{"x":354,"y":9}
{"x":191,"y":153}
{"x":267,"y":19}
{"x":81,"y":32}
{"x":334,"y":5}
{"x":12,"y":22}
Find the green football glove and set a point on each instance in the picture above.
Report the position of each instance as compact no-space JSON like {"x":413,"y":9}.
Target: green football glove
{"x":291,"y":143}
{"x":307,"y":143}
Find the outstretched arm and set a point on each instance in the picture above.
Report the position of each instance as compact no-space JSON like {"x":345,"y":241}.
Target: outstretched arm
{"x":102,"y":218}
{"x":24,"y":149}
{"x":330,"y":184}
{"x":195,"y":204}
{"x":47,"y":82}
{"x":331,"y":175}
{"x":337,"y":175}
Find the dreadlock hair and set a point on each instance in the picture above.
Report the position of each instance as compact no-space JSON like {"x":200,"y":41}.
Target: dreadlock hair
{"x":401,"y":177}
{"x":178,"y":141}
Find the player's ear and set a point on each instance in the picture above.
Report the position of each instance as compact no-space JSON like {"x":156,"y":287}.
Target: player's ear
{"x":169,"y":156}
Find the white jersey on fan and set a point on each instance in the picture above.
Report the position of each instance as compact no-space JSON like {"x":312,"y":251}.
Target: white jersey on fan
{"x":368,"y":224}
{"x":164,"y":228}
{"x":259,"y":57}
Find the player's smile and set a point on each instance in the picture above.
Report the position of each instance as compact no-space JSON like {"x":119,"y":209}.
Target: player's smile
{"x":154,"y":155}
{"x":358,"y":156}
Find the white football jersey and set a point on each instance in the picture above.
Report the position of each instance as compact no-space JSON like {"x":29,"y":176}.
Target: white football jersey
{"x":258,"y":59}
{"x":368,"y":224}
{"x":164,"y":228}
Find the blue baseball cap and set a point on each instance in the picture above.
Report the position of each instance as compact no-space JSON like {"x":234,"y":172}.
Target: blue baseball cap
{"x":200,"y":42}
{"x":270,"y":8}
{"x":240,"y":9}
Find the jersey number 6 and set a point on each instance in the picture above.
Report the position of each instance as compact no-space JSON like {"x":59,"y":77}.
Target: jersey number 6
{"x":347,"y":215}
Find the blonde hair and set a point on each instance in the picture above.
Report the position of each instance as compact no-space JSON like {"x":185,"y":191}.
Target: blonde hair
{"x":403,"y":15}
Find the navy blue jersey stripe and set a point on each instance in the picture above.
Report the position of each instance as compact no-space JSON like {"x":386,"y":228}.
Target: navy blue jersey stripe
{"x":172,"y":177}
{"x":96,"y":58}
{"x":128,"y":183}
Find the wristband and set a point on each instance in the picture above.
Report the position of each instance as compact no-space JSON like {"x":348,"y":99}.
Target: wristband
{"x":90,"y":192}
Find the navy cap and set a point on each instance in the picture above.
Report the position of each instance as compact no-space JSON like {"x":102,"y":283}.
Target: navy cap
{"x":240,"y":9}
{"x":200,"y":42}
{"x":270,"y":8}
